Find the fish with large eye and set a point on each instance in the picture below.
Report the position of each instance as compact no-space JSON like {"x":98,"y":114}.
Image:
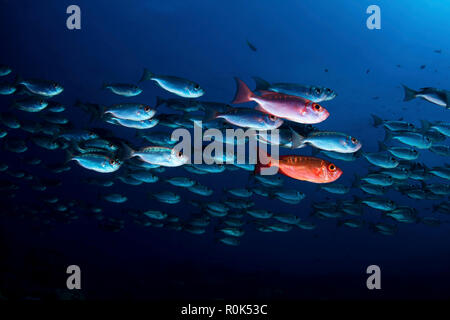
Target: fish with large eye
{"x":41,"y":87}
{"x":131,"y":111}
{"x":161,"y":156}
{"x":97,"y":162}
{"x":123,"y":89}
{"x":378,"y":203}
{"x":440,"y":97}
{"x":328,"y":141}
{"x":381,"y":159}
{"x":244,"y":117}
{"x":312,"y":93}
{"x":413,"y":139}
{"x":181,"y":87}
{"x":303,"y":168}
{"x":293,"y":108}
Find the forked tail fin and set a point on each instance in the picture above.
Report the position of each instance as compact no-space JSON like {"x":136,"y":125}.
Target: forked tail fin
{"x":243,"y":93}
{"x":409,"y":93}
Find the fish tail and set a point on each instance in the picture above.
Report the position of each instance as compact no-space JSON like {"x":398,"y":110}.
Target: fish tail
{"x":297,"y":139}
{"x":376,"y":120}
{"x":263,"y":160}
{"x":425,"y":125}
{"x":139,"y":134}
{"x":147,"y":75}
{"x":127,"y":151}
{"x":409,"y":93}
{"x":95,"y":111}
{"x":210,"y":114}
{"x":356,"y":199}
{"x":371,"y":226}
{"x":387,"y":135}
{"x":261,"y":84}
{"x":382,"y":146}
{"x":18,"y":80}
{"x":359,"y":153}
{"x":68,"y":156}
{"x":243,"y":93}
{"x":159,"y":101}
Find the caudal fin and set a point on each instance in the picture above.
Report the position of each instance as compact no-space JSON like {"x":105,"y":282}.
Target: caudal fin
{"x":147,"y":75}
{"x":376,"y":120}
{"x":297,"y":139}
{"x":387,"y":135}
{"x":425,"y":125}
{"x":210,"y":114}
{"x":68,"y":156}
{"x":243,"y":93}
{"x":159,"y":101}
{"x":409,"y":93}
{"x":261,"y":84}
{"x":126,"y":152}
{"x":382,"y":146}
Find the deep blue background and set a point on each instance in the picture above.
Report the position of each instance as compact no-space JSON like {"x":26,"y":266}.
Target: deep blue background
{"x":205,"y":41}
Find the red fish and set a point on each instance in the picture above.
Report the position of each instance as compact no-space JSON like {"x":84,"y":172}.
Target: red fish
{"x":301,"y":167}
{"x":281,"y":105}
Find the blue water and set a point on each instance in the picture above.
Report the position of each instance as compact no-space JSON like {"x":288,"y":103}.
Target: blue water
{"x":206,"y":41}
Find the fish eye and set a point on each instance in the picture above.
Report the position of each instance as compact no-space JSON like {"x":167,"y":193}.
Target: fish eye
{"x":392,"y":159}
{"x":317,"y":90}
{"x":272,"y":118}
{"x":146,"y":108}
{"x":112,"y":162}
{"x":328,"y":90}
{"x":354,"y":140}
{"x":180,"y":154}
{"x":317,"y":107}
{"x":331,"y":167}
{"x":196,"y":87}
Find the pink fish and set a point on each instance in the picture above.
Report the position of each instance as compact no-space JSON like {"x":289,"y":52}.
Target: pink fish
{"x":281,"y":105}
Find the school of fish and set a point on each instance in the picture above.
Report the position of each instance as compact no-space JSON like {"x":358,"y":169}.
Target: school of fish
{"x":33,"y":118}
